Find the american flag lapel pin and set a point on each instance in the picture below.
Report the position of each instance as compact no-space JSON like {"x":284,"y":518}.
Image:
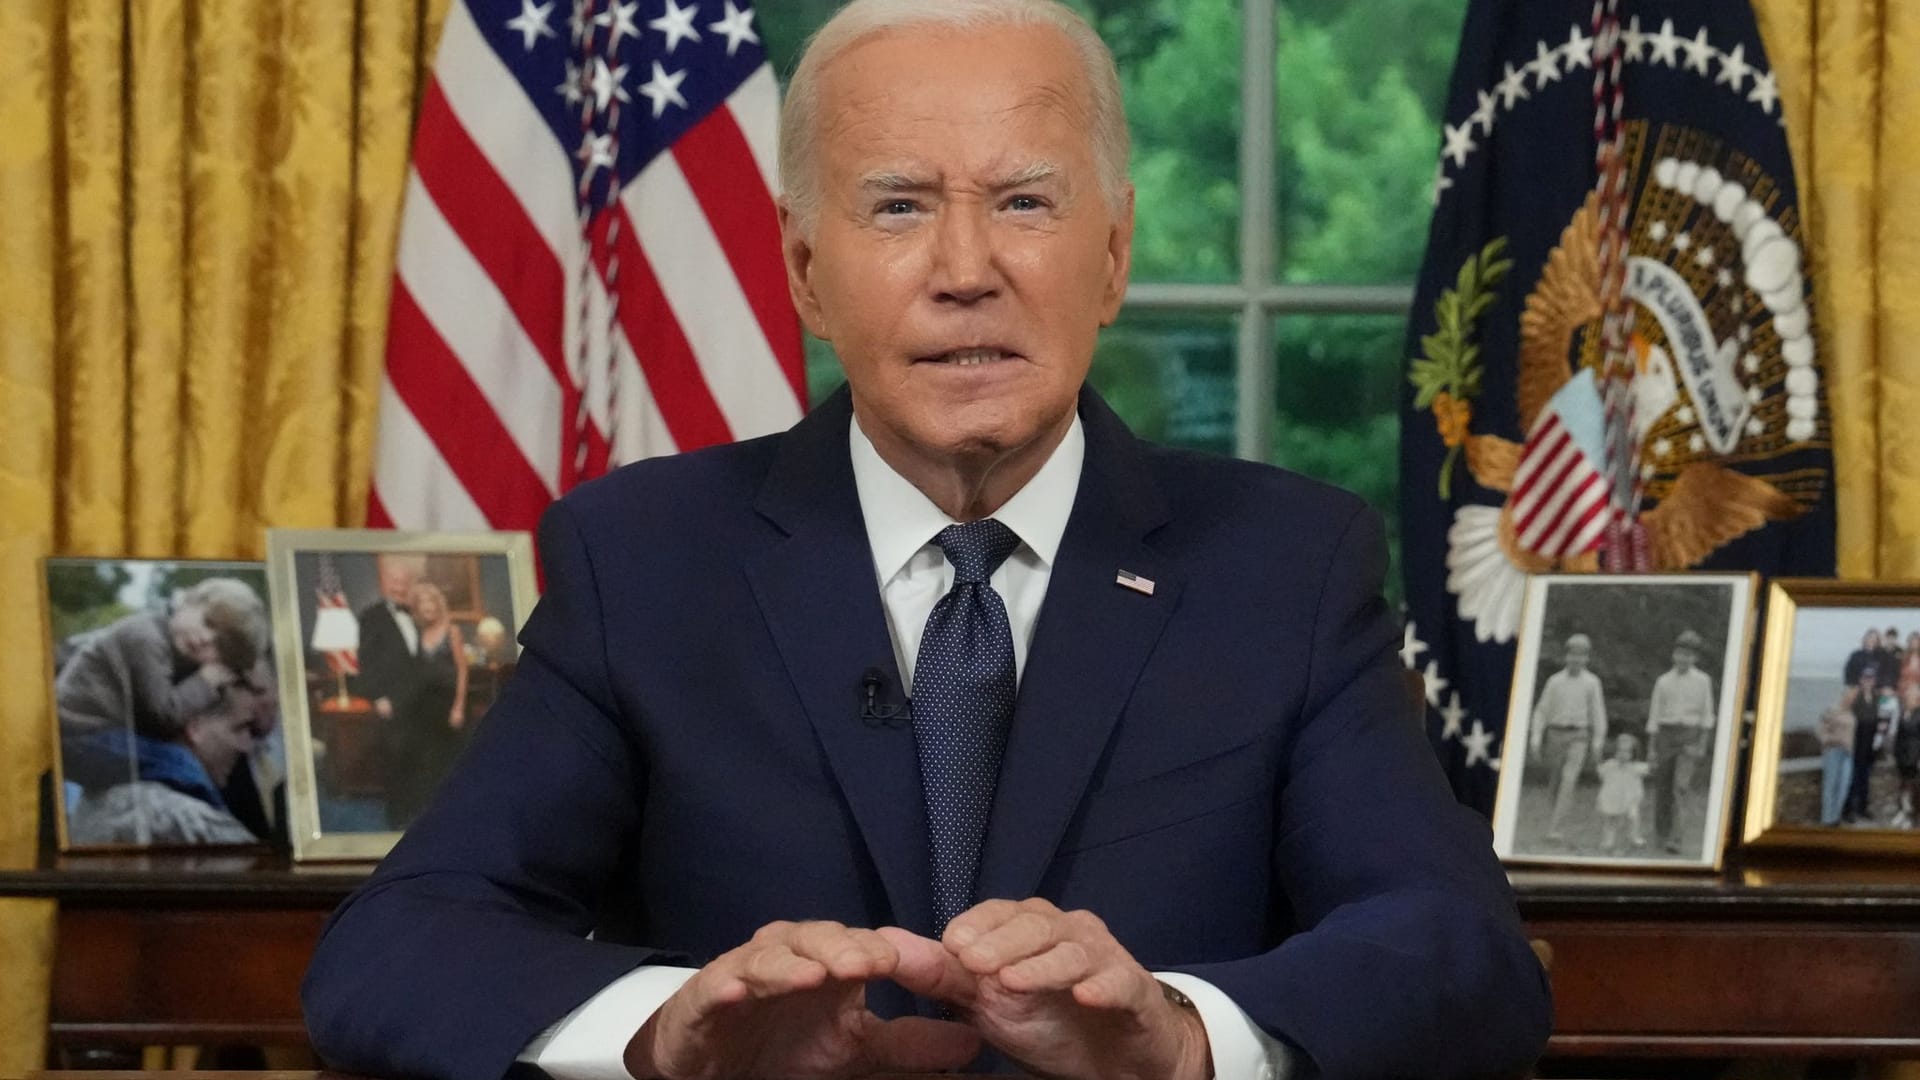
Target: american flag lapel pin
{"x":1130,"y":580}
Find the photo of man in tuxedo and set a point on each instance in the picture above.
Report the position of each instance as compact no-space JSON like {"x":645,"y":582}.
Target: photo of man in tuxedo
{"x":390,"y":678}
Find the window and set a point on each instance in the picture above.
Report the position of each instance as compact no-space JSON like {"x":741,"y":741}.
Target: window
{"x":1283,"y":156}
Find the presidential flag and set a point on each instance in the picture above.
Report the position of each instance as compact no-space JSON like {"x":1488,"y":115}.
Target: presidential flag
{"x":1612,"y":358}
{"x":589,"y":265}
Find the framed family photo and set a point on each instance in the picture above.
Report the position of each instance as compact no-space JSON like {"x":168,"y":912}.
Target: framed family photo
{"x":395,"y":645}
{"x":1836,"y":746}
{"x":166,"y":718}
{"x":1624,"y":720}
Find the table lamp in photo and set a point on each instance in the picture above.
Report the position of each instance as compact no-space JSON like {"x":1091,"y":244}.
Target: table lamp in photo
{"x":336,"y":635}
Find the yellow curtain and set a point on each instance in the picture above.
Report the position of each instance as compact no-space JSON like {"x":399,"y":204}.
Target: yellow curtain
{"x":198,"y":201}
{"x":1850,"y":81}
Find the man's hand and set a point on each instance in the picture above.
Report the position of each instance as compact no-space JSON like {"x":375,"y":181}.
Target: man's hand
{"x":792,"y":1003}
{"x":1055,"y":992}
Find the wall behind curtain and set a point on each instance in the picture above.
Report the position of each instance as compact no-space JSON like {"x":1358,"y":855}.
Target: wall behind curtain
{"x":198,"y":202}
{"x":1850,"y":83}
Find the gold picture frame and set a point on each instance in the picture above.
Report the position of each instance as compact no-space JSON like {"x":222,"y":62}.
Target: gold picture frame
{"x":1635,"y":626}
{"x":99,"y":806}
{"x":361,"y":757}
{"x":1803,"y":679}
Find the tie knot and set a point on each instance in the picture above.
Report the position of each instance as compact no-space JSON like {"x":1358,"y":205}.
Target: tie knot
{"x":976,"y":549}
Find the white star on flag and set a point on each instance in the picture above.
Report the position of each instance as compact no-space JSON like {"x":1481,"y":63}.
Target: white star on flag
{"x":737,"y":26}
{"x":620,"y":18}
{"x":1579,"y":49}
{"x":569,"y":87}
{"x":531,"y":23}
{"x":608,"y":84}
{"x":1666,"y":45}
{"x":1479,"y":744}
{"x":1513,"y":87}
{"x":597,"y":152}
{"x":1453,"y":714}
{"x":1699,"y":52}
{"x":1734,"y":69}
{"x":1636,"y":42}
{"x":1483,"y":115}
{"x":1435,"y":683}
{"x":1545,"y":65}
{"x":1765,"y":92}
{"x":1411,"y":647}
{"x":1459,"y":144}
{"x":663,"y":89}
{"x":677,"y":24}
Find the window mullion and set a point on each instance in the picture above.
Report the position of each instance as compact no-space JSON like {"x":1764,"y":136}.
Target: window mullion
{"x":1258,"y":84}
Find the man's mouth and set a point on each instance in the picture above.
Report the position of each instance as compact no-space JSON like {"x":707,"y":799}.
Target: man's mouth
{"x":971,"y":357}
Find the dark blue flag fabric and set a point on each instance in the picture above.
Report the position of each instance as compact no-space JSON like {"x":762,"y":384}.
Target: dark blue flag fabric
{"x":1730,"y":433}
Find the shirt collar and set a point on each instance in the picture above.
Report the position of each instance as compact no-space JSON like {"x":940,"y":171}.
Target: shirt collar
{"x":901,"y":519}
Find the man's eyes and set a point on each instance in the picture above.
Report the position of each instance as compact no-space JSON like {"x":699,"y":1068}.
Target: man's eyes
{"x":898,"y":206}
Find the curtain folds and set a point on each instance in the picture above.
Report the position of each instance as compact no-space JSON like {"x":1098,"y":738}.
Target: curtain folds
{"x":1850,"y":84}
{"x":201,"y":200}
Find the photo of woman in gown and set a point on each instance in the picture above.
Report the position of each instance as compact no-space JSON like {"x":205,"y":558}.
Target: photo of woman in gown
{"x":431,"y":724}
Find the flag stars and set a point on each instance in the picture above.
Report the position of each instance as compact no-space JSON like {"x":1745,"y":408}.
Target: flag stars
{"x":1578,"y":49}
{"x":1635,"y":41}
{"x":1479,"y":745}
{"x":1545,"y":65}
{"x":1484,"y":115}
{"x":736,"y":28}
{"x":1665,"y":46}
{"x":1699,"y":52}
{"x":663,"y":89}
{"x":597,"y":152}
{"x":1513,"y":87}
{"x":1734,"y":69}
{"x":1452,"y":716}
{"x":569,"y":87}
{"x":677,"y":24}
{"x":531,"y":23}
{"x":1765,"y":92}
{"x":608,"y":84}
{"x":619,"y":21}
{"x":1460,"y":144}
{"x":1436,"y":683}
{"x":1411,"y":647}
{"x":1442,"y":183}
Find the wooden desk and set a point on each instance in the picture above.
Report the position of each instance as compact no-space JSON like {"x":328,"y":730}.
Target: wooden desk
{"x":1757,"y":962}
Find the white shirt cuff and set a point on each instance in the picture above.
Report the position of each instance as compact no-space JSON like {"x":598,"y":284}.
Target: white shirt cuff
{"x":590,"y":1043}
{"x":1241,"y":1050}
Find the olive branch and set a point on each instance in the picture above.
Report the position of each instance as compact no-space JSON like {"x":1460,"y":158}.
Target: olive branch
{"x":1449,"y":374}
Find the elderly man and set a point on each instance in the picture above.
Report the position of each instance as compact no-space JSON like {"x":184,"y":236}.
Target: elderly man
{"x":1156,"y":807}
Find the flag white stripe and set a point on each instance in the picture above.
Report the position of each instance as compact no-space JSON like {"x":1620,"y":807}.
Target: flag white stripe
{"x":1538,"y":509}
{"x":1590,"y":496}
{"x":643,"y":430}
{"x":497,"y":114}
{"x":1537,"y":450}
{"x":1588,"y":536}
{"x":471,"y":315}
{"x":756,"y":108}
{"x":413,"y":481}
{"x":738,"y":364}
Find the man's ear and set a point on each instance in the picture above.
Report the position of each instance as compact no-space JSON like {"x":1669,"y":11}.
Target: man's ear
{"x":1119,"y":259}
{"x":796,"y":250}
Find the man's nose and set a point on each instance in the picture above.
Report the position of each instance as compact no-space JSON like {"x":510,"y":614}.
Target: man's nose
{"x":964,"y":270}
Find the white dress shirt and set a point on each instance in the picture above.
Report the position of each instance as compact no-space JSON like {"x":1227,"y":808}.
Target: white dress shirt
{"x":913,"y":574}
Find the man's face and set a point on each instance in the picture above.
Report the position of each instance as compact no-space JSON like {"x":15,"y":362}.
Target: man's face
{"x":1577,"y":660}
{"x":221,"y":738}
{"x":397,"y":578}
{"x":1683,"y":658}
{"x":964,"y":258}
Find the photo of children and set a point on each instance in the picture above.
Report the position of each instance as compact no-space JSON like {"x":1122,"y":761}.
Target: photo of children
{"x":1625,"y":693}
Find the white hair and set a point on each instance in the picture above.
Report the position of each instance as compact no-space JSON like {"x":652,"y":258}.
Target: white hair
{"x":800,"y":114}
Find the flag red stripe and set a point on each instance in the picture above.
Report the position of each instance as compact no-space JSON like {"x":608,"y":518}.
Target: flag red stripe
{"x":377,"y":516}
{"x":673,"y":375}
{"x":1586,"y":495}
{"x":721,"y":170}
{"x":491,"y":222}
{"x":1558,"y":491}
{"x":1566,"y":544}
{"x":456,"y":416}
{"x":1547,"y":442}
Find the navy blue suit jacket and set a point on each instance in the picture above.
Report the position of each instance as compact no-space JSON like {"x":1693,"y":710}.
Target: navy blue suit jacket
{"x":1225,"y":771}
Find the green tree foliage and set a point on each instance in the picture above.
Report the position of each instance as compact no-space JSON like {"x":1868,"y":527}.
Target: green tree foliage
{"x":82,"y":596}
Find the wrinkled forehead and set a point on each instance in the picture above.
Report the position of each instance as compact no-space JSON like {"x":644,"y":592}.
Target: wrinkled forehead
{"x":999,"y":98}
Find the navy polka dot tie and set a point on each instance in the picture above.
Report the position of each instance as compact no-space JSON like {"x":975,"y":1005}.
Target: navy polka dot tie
{"x":963,"y":687}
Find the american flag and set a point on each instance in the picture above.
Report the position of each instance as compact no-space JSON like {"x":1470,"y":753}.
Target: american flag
{"x":589,"y":264}
{"x":1560,"y":493}
{"x":329,"y":594}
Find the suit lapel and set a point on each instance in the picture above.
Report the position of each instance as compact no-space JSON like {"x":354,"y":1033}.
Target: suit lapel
{"x":816,"y":590}
{"x":1093,"y":638}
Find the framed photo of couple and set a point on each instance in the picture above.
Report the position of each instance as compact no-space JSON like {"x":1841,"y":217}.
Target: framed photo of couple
{"x":1836,"y":746}
{"x":393,"y":646}
{"x":1625,"y":720}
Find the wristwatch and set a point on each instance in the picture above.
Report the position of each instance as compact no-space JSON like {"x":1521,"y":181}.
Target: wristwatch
{"x":1176,"y":998}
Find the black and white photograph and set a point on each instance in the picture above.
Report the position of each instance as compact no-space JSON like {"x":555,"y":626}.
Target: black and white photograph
{"x":1836,"y":760}
{"x":399,"y":644}
{"x":166,"y":711}
{"x":1626,"y":697}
